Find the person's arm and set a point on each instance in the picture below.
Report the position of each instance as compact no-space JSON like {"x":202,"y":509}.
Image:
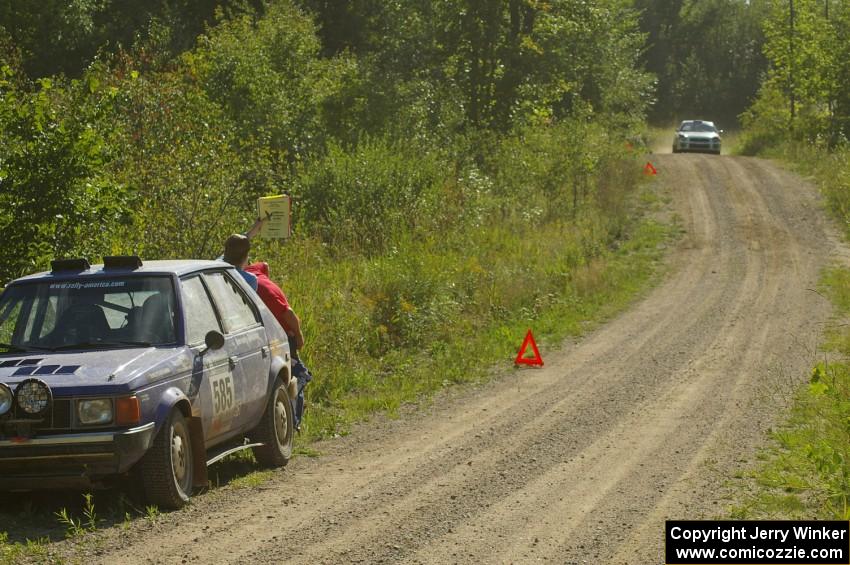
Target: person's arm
{"x":292,"y":325}
{"x":276,"y":301}
{"x":255,"y":229}
{"x":251,"y":233}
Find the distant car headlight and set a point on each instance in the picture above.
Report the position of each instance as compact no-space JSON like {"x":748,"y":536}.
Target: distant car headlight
{"x":6,"y":399}
{"x":33,"y":397}
{"x":94,"y":411}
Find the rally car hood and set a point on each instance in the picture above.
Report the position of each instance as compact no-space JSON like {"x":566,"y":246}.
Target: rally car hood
{"x":96,"y":371}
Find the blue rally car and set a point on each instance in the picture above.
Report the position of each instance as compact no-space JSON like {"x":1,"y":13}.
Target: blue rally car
{"x":154,"y":370}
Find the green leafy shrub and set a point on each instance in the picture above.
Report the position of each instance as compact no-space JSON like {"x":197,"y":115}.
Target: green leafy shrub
{"x":266,"y":75}
{"x":364,"y":197}
{"x":807,"y":475}
{"x":55,"y":196}
{"x":187,"y":186}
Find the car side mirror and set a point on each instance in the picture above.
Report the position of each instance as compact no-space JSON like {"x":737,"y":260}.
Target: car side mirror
{"x":213,"y":340}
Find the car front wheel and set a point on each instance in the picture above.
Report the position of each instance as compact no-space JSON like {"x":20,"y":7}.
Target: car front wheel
{"x":275,"y":429}
{"x":166,"y":468}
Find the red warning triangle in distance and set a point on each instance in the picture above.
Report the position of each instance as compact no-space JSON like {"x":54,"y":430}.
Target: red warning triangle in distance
{"x":649,"y":169}
{"x":521,"y":359}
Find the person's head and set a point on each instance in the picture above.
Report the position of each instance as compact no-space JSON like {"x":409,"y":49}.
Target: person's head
{"x":236,"y":250}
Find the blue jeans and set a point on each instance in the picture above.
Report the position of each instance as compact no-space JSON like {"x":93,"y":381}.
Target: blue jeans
{"x":303,"y":376}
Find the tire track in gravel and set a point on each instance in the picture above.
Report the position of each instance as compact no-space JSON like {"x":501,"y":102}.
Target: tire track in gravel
{"x":633,"y":438}
{"x":583,"y":460}
{"x":742,"y":178}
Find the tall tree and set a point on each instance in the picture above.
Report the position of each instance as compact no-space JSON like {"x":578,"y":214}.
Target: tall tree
{"x":706,"y":55}
{"x":63,"y":36}
{"x":507,"y":60}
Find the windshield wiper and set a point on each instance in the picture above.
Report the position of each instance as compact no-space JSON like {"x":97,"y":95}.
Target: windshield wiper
{"x":101,"y":344}
{"x":130,"y":343}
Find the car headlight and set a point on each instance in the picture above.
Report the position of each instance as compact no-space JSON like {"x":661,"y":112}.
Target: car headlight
{"x":6,"y":399}
{"x":33,"y":397}
{"x":94,"y":411}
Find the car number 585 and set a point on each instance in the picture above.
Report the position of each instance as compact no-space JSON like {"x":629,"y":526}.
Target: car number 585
{"x":223,"y":396}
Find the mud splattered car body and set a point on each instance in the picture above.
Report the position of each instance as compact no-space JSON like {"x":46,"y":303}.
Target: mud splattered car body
{"x":151,"y":369}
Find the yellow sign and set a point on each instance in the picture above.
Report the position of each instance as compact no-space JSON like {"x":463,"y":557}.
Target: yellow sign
{"x":277,"y":211}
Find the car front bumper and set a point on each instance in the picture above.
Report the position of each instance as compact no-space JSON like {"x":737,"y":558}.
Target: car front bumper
{"x":70,"y":460}
{"x":697,"y":146}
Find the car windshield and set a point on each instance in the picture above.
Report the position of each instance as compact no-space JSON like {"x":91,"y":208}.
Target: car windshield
{"x":697,"y":126}
{"x":87,"y":313}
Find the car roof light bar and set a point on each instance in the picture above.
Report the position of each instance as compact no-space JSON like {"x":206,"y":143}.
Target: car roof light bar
{"x":69,"y":265}
{"x":122,"y":262}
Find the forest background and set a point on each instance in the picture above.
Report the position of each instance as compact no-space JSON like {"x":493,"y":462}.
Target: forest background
{"x":461,"y":169}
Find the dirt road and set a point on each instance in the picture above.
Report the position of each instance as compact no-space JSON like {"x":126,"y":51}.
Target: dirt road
{"x":579,"y":462}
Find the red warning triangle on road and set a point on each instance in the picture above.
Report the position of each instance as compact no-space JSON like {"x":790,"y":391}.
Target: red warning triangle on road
{"x":649,"y":169}
{"x":521,"y":359}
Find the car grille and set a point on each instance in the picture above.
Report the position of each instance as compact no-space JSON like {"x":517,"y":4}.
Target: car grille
{"x":699,"y":142}
{"x":62,"y":414}
{"x":58,"y":420}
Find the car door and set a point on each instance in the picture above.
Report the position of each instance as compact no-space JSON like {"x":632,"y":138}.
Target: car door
{"x":245,"y":340}
{"x":212,"y":388}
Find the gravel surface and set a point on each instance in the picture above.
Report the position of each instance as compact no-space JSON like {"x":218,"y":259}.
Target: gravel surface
{"x":581,"y":461}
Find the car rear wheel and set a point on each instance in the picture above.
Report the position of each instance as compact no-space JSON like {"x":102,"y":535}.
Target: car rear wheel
{"x":166,"y":468}
{"x":275,"y":429}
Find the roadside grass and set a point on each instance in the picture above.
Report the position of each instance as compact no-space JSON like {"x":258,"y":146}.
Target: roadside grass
{"x":13,"y":552}
{"x":465,"y":305}
{"x":40,"y":519}
{"x":805,"y":472}
{"x":252,"y":479}
{"x":659,"y":138}
{"x":385,"y":331}
{"x":732,"y":141}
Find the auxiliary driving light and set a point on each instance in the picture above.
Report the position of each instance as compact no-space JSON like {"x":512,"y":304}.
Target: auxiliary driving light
{"x":33,"y":397}
{"x":6,"y":398}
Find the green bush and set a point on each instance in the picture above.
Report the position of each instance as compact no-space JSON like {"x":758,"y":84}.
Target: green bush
{"x":56,"y":199}
{"x":364,"y":197}
{"x":267,"y":76}
{"x":187,"y":185}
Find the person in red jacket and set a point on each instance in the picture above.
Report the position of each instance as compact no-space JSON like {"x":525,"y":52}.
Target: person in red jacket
{"x":274,"y":298}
